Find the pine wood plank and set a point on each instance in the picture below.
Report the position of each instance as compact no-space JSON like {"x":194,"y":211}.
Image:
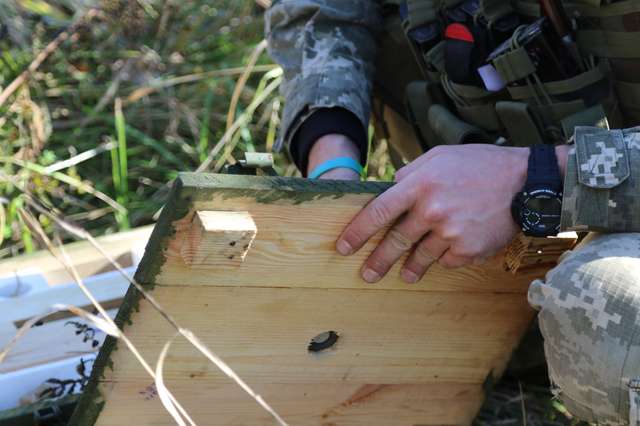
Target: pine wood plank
{"x":424,"y":351}
{"x":331,"y":404}
{"x":386,"y":336}
{"x":299,"y":239}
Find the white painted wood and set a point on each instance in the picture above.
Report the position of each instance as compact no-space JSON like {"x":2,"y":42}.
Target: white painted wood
{"x":105,"y":287}
{"x":21,"y":384}
{"x":52,"y":341}
{"x":20,"y":283}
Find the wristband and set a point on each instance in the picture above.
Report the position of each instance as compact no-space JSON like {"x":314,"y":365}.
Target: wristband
{"x":336,"y":163}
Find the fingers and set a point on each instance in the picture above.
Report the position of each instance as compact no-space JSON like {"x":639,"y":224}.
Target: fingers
{"x":426,"y":253}
{"x":450,"y":260}
{"x":378,"y":214}
{"x":396,"y":242}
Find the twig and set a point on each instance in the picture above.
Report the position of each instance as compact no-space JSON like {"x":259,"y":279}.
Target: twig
{"x":107,"y":324}
{"x":522,"y":406}
{"x":42,"y":56}
{"x":265,"y":4}
{"x":188,"y":335}
{"x":240,"y":121}
{"x":190,"y":78}
{"x":77,"y":159}
{"x":233,"y":104}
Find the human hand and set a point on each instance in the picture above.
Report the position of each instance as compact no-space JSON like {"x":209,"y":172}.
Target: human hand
{"x":333,"y":146}
{"x":451,"y":205}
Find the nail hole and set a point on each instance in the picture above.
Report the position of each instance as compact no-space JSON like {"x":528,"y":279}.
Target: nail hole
{"x":231,"y":257}
{"x":323,"y":341}
{"x":232,"y":243}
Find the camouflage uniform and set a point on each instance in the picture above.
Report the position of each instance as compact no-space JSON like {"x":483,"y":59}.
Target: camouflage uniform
{"x":589,"y":304}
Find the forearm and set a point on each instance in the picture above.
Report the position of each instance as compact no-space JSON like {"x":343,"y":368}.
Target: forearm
{"x":333,"y":146}
{"x":602,"y":182}
{"x":327,"y":50}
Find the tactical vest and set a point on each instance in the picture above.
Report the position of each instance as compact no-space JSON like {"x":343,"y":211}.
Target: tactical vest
{"x":605,"y":91}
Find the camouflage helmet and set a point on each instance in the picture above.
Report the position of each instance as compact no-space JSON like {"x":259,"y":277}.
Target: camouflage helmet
{"x":589,"y":316}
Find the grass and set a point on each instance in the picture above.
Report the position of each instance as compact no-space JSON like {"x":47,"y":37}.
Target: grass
{"x":151,"y":81}
{"x":143,"y":90}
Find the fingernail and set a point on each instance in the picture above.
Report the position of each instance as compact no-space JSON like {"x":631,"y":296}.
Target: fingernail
{"x":409,"y":276}
{"x":344,"y":248}
{"x":370,"y":276}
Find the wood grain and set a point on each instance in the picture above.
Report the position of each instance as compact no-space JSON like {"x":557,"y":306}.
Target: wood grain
{"x":300,"y":239}
{"x":406,"y":354}
{"x":217,"y":236}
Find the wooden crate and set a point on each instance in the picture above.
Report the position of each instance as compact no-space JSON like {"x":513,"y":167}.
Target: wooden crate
{"x":406,"y":354}
{"x":30,"y":285}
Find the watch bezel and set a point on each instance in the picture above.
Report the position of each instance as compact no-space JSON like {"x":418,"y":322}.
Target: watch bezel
{"x":518,"y":211}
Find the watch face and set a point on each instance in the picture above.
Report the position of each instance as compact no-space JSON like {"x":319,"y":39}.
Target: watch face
{"x":539,"y":212}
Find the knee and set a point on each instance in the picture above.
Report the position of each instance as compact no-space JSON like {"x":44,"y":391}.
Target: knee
{"x":589,"y":314}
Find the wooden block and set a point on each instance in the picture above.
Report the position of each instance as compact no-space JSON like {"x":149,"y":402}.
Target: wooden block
{"x":531,"y":252}
{"x":405,"y":354}
{"x":218,"y":236}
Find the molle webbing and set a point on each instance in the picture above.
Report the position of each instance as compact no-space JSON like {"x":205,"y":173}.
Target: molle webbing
{"x":609,"y":30}
{"x":518,"y":121}
{"x":492,"y":10}
{"x":563,"y":86}
{"x":514,"y":65}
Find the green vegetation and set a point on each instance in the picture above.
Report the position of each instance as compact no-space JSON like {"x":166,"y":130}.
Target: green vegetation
{"x":137,"y":93}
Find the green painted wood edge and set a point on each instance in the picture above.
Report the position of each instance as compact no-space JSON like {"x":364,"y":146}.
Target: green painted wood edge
{"x":266,"y":189}
{"x":23,"y":416}
{"x":187,"y":189}
{"x":89,"y":406}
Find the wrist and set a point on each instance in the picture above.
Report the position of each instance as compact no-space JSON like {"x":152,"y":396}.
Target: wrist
{"x":562,"y":153}
{"x":520,"y":167}
{"x":332,"y":146}
{"x":522,"y":162}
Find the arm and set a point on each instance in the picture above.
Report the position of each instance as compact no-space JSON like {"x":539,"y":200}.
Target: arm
{"x":327,"y":50}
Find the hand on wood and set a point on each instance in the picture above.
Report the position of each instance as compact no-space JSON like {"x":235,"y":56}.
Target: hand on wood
{"x":451,"y":205}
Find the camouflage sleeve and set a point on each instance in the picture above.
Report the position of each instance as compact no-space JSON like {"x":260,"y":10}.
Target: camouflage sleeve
{"x":602,"y":182}
{"x":327,"y":50}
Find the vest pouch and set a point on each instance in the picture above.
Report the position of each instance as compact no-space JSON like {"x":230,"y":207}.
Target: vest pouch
{"x":450,"y":130}
{"x":556,"y":104}
{"x":475,"y":105}
{"x":519,"y":123}
{"x":434,"y":60}
{"x":419,"y":97}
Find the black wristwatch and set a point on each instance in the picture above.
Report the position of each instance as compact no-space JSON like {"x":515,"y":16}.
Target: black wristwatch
{"x":537,"y":207}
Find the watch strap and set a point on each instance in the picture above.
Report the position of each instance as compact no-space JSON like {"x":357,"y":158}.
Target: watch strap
{"x":543,"y":170}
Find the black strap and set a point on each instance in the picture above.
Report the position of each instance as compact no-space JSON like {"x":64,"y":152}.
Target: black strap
{"x":543,"y":168}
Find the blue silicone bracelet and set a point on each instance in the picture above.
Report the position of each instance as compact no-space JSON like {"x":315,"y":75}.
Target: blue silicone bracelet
{"x":335,"y":163}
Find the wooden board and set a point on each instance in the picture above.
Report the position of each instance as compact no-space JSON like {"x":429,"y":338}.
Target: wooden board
{"x":406,"y":355}
{"x":31,"y":284}
{"x":86,"y":259}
